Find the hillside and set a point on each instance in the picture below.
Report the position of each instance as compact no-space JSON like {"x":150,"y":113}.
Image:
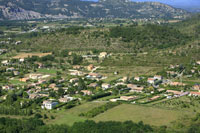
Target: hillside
{"x":35,"y":9}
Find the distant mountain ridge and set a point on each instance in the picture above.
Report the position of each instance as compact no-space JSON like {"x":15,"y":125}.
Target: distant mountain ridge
{"x":36,"y":9}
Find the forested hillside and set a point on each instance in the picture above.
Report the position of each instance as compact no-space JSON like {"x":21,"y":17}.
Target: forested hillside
{"x":125,"y":38}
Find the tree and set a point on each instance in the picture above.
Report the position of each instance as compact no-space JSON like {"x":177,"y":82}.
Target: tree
{"x":81,"y":84}
{"x":61,"y":92}
{"x":1,"y":32}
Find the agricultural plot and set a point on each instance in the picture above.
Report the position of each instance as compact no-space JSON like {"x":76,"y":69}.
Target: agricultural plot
{"x":26,"y":55}
{"x":136,"y":113}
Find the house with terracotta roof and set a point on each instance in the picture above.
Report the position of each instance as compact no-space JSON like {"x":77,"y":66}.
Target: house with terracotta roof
{"x":194,"y":94}
{"x":151,"y":80}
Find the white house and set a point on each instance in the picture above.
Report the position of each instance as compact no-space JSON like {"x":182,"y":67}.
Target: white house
{"x":105,"y":86}
{"x":49,"y":104}
{"x":158,"y":77}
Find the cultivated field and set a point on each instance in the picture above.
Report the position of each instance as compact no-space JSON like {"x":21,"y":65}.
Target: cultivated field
{"x":136,"y":113}
{"x":26,"y":55}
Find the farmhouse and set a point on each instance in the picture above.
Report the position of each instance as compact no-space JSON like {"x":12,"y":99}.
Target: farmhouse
{"x":127,"y":98}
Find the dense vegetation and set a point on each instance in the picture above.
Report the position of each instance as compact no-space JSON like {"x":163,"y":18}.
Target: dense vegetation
{"x":9,"y":125}
{"x":150,"y":35}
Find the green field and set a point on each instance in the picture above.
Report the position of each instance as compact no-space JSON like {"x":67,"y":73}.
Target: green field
{"x":72,"y":115}
{"x":136,"y":113}
{"x":47,"y":71}
{"x":149,"y":115}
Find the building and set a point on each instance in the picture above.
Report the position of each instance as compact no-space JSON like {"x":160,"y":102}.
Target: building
{"x":135,"y":88}
{"x":158,"y":77}
{"x":7,"y":87}
{"x":151,"y":80}
{"x":5,"y":62}
{"x":105,"y":86}
{"x":35,"y":76}
{"x":48,"y":104}
{"x":76,"y":73}
{"x":177,"y":93}
{"x":24,"y":79}
{"x":194,"y":94}
{"x":90,"y":67}
{"x":34,"y":96}
{"x":103,"y":55}
{"x":154,"y":98}
{"x":177,"y":84}
{"x":74,"y":80}
{"x":137,"y":78}
{"x":86,"y":92}
{"x":128,"y":98}
{"x":196,"y":87}
{"x":66,"y":99}
{"x":198,"y":62}
{"x":94,"y":76}
{"x":124,"y":79}
{"x":16,"y":73}
{"x":77,"y":67}
{"x":10,"y":69}
{"x":93,"y":85}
